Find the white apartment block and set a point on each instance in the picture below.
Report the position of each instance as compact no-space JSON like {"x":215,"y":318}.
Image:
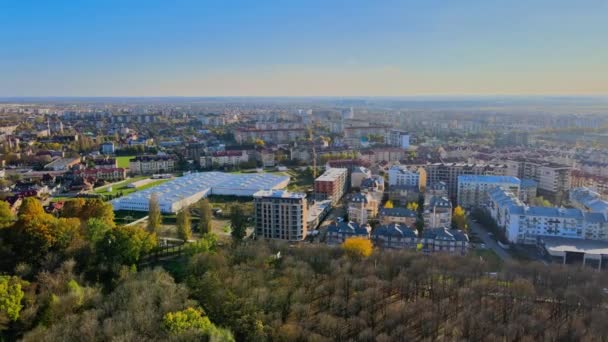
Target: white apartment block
{"x":410,"y":176}
{"x":473,"y":190}
{"x":524,"y":224}
{"x":145,"y":165}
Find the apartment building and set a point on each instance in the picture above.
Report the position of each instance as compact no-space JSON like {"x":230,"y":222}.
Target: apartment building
{"x":277,"y":136}
{"x":437,"y":212}
{"x":449,"y":172}
{"x":338,"y":232}
{"x":357,"y":175}
{"x":145,"y":165}
{"x":525,"y":224}
{"x":108,"y":174}
{"x":409,"y":176}
{"x":588,"y":200}
{"x":105,"y":163}
{"x":432,"y":240}
{"x":225,"y":158}
{"x":280,"y":214}
{"x":332,"y":184}
{"x":398,"y":138}
{"x":398,"y":215}
{"x":362,"y":207}
{"x":553,"y":179}
{"x":473,"y":190}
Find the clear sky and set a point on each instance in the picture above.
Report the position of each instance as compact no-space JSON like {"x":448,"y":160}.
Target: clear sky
{"x":302,"y":48}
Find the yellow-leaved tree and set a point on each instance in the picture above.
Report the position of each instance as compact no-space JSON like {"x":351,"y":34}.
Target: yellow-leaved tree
{"x":358,"y":247}
{"x":413,"y":206}
{"x":388,"y":204}
{"x":459,"y":220}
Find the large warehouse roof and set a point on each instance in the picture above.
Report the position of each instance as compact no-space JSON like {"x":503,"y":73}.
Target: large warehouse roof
{"x":197,"y":185}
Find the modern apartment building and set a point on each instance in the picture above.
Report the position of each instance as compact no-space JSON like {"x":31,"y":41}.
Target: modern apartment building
{"x":553,"y":179}
{"x":409,"y":176}
{"x":449,"y":172}
{"x":525,"y":224}
{"x":473,"y":190}
{"x":145,"y":165}
{"x":398,"y":138}
{"x":332,"y":184}
{"x":280,"y":214}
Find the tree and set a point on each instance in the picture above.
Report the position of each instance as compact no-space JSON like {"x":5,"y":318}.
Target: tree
{"x":238,"y":223}
{"x":357,"y":247}
{"x":194,"y":320}
{"x":11,"y":295}
{"x":154,"y":218}
{"x":413,"y":206}
{"x":205,"y":221}
{"x":95,"y":230}
{"x":259,"y":143}
{"x":184,"y":225}
{"x":540,"y":201}
{"x":419,"y":225}
{"x":459,"y":220}
{"x":7,"y":218}
{"x":125,"y":245}
{"x":89,"y":208}
{"x":35,"y":233}
{"x":388,"y":204}
{"x":421,"y":205}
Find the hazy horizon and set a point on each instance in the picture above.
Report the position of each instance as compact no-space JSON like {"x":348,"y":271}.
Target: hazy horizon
{"x":303,"y":49}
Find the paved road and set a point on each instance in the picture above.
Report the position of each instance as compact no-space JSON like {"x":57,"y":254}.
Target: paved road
{"x":490,"y":242}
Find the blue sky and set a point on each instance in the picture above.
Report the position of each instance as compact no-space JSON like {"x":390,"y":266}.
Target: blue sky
{"x":302,"y":48}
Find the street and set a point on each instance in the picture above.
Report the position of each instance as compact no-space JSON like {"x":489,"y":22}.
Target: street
{"x":489,"y":241}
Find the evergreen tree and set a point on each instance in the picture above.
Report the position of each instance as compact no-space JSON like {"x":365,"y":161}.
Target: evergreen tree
{"x":238,"y":223}
{"x":154,"y":217}
{"x":205,"y":219}
{"x":184,"y":225}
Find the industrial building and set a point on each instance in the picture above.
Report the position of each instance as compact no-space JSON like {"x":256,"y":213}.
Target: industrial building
{"x":184,"y":191}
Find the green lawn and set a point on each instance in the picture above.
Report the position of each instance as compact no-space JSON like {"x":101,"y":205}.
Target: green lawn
{"x":123,"y":161}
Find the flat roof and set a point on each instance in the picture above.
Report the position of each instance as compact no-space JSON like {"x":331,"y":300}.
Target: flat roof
{"x":556,"y":244}
{"x":191,"y":184}
{"x":279,"y":194}
{"x":489,"y":179}
{"x":331,"y":174}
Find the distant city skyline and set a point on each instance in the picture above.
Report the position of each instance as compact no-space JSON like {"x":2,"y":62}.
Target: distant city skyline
{"x":303,"y":48}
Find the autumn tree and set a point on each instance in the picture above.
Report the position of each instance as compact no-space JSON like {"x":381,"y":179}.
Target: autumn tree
{"x":389,"y":204}
{"x":238,"y":222}
{"x":205,"y":221}
{"x":459,"y":220}
{"x":7,"y":218}
{"x":413,"y":206}
{"x":184,"y":225}
{"x":357,"y":247}
{"x":154,"y":216}
{"x":35,"y":233}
